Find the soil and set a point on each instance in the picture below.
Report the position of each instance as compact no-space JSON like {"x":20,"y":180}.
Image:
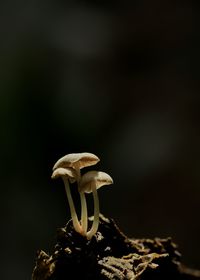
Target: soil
{"x":110,"y":255}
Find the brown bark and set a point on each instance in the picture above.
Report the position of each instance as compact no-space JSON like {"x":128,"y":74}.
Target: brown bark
{"x":110,"y":255}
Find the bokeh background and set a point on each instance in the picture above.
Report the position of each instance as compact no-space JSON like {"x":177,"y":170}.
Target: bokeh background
{"x":116,"y":78}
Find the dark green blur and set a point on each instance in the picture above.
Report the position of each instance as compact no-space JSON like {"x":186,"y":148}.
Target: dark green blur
{"x":119,"y":79}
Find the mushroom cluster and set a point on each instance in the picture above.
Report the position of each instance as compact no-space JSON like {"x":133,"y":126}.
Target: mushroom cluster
{"x":69,"y":169}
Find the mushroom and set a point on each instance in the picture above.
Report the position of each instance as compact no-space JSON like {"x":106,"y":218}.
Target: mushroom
{"x":90,"y":182}
{"x":78,"y":161}
{"x":71,"y":175}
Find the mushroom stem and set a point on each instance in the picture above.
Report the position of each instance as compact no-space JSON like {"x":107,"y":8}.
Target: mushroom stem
{"x":95,"y":223}
{"x":84,"y":214}
{"x":75,"y":221}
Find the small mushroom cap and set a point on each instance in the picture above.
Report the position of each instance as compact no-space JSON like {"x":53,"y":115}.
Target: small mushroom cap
{"x":78,"y":160}
{"x":70,"y":173}
{"x":94,"y":178}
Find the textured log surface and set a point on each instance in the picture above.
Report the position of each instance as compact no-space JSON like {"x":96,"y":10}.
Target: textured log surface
{"x":110,"y":255}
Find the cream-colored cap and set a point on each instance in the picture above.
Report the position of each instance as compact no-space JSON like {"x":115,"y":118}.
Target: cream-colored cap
{"x":78,"y":160}
{"x":70,"y":173}
{"x":91,"y":178}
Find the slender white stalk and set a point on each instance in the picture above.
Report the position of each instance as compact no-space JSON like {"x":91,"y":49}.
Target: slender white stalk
{"x":75,"y":221}
{"x":84,"y":214}
{"x":95,"y":223}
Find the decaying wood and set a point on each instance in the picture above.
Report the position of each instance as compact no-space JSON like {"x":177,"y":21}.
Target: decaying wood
{"x":110,"y":255}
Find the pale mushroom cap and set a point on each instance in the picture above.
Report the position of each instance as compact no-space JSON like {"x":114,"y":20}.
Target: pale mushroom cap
{"x":78,"y":160}
{"x":94,"y":178}
{"x":70,"y":173}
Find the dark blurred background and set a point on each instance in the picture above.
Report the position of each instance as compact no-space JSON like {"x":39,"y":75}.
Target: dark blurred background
{"x":116,"y":78}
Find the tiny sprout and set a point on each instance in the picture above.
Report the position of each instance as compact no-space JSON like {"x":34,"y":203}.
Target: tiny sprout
{"x":69,"y":174}
{"x":78,"y":161}
{"x":90,"y":182}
